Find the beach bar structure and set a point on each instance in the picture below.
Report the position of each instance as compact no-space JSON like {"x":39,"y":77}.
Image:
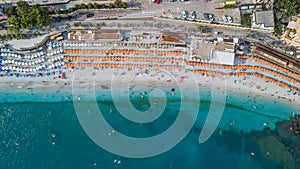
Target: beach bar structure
{"x":175,"y":38}
{"x":94,"y":35}
{"x":166,"y":37}
{"x":217,"y":52}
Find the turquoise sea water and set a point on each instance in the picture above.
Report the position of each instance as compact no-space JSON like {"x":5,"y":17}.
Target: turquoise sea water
{"x":26,"y":129}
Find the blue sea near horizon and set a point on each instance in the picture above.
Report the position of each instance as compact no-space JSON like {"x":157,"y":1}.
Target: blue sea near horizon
{"x":26,"y":129}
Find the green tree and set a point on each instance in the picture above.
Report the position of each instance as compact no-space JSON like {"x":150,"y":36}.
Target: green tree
{"x":22,"y":8}
{"x":111,"y":5}
{"x":22,"y":36}
{"x":40,"y":17}
{"x":9,"y":37}
{"x":13,"y":24}
{"x":58,"y":19}
{"x":246,"y":20}
{"x":83,"y":6}
{"x":57,"y":11}
{"x":9,"y":11}
{"x":90,"y":6}
{"x":27,"y":17}
{"x":68,"y":25}
{"x":120,"y":4}
{"x":96,"y":6}
{"x":75,"y":24}
{"x":102,"y":6}
{"x":77,"y":6}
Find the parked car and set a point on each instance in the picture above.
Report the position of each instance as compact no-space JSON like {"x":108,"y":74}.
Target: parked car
{"x":90,"y":15}
{"x":229,"y":19}
{"x":184,"y":14}
{"x":206,"y":16}
{"x":209,"y":17}
{"x":193,"y":15}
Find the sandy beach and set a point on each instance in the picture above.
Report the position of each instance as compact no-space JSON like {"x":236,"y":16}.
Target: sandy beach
{"x":140,"y":81}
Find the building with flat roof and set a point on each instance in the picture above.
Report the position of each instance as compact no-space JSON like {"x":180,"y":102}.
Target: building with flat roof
{"x":224,"y":58}
{"x":263,"y":20}
{"x":220,"y":51}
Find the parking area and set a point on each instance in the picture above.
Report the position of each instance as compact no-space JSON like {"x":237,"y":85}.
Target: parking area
{"x":175,"y":10}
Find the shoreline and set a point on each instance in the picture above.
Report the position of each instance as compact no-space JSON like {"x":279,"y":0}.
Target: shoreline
{"x":255,"y":88}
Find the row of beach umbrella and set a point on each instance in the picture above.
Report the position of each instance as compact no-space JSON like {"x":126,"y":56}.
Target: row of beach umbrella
{"x":297,"y":75}
{"x":33,"y":69}
{"x":139,"y":45}
{"x":255,"y":68}
{"x":115,"y":65}
{"x":120,"y":58}
{"x":124,"y":51}
{"x":5,"y":50}
{"x":31,"y":63}
{"x":258,"y":75}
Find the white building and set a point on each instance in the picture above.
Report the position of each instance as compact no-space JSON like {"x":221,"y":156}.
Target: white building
{"x":221,"y":57}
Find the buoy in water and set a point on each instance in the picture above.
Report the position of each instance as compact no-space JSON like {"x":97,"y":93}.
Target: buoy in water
{"x":53,"y":143}
{"x":252,"y":153}
{"x":53,"y":135}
